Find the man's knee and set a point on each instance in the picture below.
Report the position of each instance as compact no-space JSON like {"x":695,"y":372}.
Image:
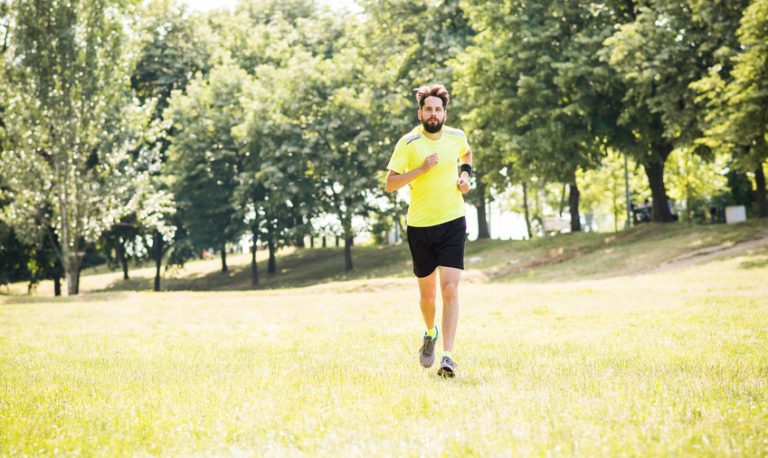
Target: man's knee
{"x":428,"y":298}
{"x":450,"y":290}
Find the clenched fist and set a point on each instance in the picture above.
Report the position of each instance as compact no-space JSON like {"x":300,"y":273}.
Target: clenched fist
{"x":429,"y":162}
{"x":463,"y":184}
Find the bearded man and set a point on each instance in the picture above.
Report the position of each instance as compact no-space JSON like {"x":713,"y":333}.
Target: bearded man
{"x":436,"y":161}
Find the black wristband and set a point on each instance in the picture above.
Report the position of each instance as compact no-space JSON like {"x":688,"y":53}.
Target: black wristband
{"x":465,"y":168}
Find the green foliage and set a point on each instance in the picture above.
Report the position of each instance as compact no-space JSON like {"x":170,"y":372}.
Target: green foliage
{"x":75,"y":132}
{"x":735,"y":94}
{"x":421,"y":37}
{"x":695,"y":183}
{"x":273,"y":33}
{"x":204,"y":157}
{"x":13,"y":257}
{"x":538,"y":88}
{"x":603,"y":191}
{"x":172,"y":48}
{"x":339,"y":132}
{"x":278,"y":116}
{"x":276,"y":192}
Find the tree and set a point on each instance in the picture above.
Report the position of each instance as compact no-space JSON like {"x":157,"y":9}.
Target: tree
{"x":345,"y":163}
{"x":205,"y":158}
{"x":74,"y":123}
{"x":544,"y":101}
{"x":666,"y":47}
{"x":735,"y":97}
{"x":494,"y":167}
{"x":273,"y":184}
{"x":173,"y":47}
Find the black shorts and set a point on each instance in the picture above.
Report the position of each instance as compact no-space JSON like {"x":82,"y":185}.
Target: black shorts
{"x":441,"y":245}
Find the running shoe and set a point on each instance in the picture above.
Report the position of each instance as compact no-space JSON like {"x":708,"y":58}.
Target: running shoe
{"x":447,"y":368}
{"x":427,"y":350}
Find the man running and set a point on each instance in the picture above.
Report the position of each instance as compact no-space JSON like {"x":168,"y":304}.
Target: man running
{"x":427,"y":159}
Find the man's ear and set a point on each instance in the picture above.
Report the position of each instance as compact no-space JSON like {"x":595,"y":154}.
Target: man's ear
{"x":418,"y":113}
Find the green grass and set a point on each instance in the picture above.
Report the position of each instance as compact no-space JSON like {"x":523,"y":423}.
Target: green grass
{"x":660,"y":364}
{"x":585,"y":352}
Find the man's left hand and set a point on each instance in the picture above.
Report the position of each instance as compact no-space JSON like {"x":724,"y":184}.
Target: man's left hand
{"x":463,"y":183}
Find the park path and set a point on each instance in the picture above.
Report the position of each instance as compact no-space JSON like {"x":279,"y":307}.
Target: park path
{"x":688,"y":259}
{"x":710,"y":253}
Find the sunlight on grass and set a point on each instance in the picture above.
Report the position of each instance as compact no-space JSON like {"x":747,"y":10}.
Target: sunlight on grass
{"x":649,"y":365}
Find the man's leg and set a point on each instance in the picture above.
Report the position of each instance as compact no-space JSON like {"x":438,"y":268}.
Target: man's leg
{"x":427,"y":293}
{"x":449,"y":286}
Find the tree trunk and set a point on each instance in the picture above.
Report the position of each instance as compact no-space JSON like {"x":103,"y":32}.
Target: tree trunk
{"x":254,"y":264}
{"x":58,"y":268}
{"x":482,"y":218}
{"x":338,"y":241}
{"x":271,"y":263}
{"x":346,"y":226}
{"x":121,"y":258}
{"x":157,"y":245}
{"x":298,"y":221}
{"x":311,"y":241}
{"x":538,"y":214}
{"x":125,"y":268}
{"x":224,"y":268}
{"x":654,"y":170}
{"x":72,"y":274}
{"x":525,"y":211}
{"x":324,"y":242}
{"x":348,"y":253}
{"x":573,"y":206}
{"x":762,"y":201}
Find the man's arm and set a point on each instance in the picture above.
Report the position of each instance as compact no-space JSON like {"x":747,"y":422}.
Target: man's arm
{"x":396,"y":180}
{"x":463,"y":181}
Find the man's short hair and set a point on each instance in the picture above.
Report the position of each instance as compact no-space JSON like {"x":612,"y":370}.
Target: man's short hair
{"x":436,"y":90}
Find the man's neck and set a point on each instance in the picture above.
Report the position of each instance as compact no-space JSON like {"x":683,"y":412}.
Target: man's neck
{"x":436,"y":136}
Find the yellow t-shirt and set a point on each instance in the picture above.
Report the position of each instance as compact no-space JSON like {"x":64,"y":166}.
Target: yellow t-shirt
{"x":435,"y":197}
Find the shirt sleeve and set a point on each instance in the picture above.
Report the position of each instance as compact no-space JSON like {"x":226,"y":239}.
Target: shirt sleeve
{"x":399,"y":161}
{"x":464,"y":148}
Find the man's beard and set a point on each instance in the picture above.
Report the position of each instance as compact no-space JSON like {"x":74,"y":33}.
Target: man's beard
{"x":432,"y":128}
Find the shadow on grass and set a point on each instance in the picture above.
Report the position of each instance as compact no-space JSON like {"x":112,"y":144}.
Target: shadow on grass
{"x":301,"y":268}
{"x":563,"y":257}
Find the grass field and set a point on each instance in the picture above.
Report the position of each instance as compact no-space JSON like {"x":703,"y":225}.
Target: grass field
{"x":555,"y":358}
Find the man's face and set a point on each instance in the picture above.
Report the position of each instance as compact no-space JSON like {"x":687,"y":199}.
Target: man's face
{"x":432,"y":114}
